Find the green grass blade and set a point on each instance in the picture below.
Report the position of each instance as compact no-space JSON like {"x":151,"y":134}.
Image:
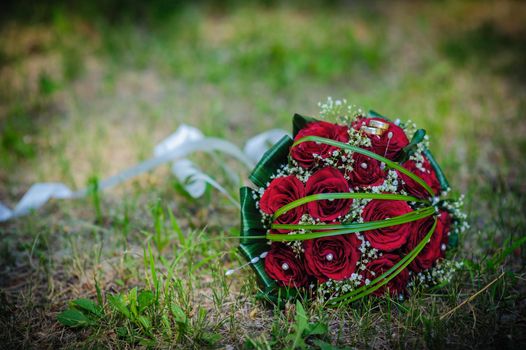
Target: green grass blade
{"x":152,"y":268}
{"x":343,"y":195}
{"x":339,"y":229}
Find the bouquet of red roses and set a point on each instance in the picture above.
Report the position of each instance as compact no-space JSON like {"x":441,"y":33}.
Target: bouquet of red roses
{"x":348,"y":209}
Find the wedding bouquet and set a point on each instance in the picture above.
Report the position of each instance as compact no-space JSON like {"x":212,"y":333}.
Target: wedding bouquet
{"x":349,"y":208}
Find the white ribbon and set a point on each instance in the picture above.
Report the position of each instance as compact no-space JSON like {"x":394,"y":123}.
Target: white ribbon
{"x":184,"y":141}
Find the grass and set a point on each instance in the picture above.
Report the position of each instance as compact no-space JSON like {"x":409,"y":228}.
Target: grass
{"x":84,"y":95}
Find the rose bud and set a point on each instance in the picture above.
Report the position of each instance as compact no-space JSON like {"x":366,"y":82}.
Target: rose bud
{"x":282,"y":265}
{"x":391,"y":237}
{"x":435,"y":249}
{"x":390,"y":143}
{"x":333,"y":257}
{"x":280,"y":192}
{"x":428,"y":175}
{"x":327,"y":180}
{"x":366,"y":172}
{"x":304,"y":153}
{"x":377,"y":267}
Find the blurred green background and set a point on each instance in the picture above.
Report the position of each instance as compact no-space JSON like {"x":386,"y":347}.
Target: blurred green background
{"x":82,"y":78}
{"x":87,"y":88}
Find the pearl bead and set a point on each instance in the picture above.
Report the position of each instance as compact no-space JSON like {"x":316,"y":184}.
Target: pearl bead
{"x":364,"y":165}
{"x":443,"y":246}
{"x":285,"y":266}
{"x":329,"y":257}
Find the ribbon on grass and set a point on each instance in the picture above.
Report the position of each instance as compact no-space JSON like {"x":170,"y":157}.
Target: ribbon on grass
{"x":174,"y":149}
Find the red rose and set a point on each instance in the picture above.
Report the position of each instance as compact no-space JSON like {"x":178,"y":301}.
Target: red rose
{"x":304,"y":153}
{"x":327,"y":180}
{"x":333,"y":257}
{"x":391,"y":237}
{"x":428,"y":175}
{"x":435,"y":249}
{"x":281,"y":191}
{"x":390,"y":143}
{"x":376,"y":268}
{"x":366,"y":172}
{"x":282,"y":265}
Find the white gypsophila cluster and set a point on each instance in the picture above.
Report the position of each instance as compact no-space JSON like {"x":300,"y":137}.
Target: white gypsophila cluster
{"x":339,"y":110}
{"x":390,"y":184}
{"x":333,"y":289}
{"x":294,"y":169}
{"x":281,"y":172}
{"x":297,"y":246}
{"x":368,"y":253}
{"x":355,"y":214}
{"x":358,"y":138}
{"x":455,"y":208}
{"x":409,"y":127}
{"x":442,"y":272}
{"x":418,"y":158}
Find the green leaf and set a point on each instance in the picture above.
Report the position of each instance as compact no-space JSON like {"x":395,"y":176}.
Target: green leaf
{"x":118,"y":304}
{"x":122,"y":332}
{"x":374,"y":114}
{"x":301,"y":324}
{"x":299,"y":122}
{"x":87,"y":305}
{"x":411,"y":148}
{"x":301,"y":318}
{"x":317,"y":328}
{"x":211,"y":338}
{"x":145,"y":322}
{"x":99,"y":293}
{"x":176,"y":228}
{"x":328,"y":346}
{"x":73,"y":318}
{"x":132,"y":301}
{"x":152,"y":267}
{"x":453,"y":240}
{"x":444,"y":184}
{"x":251,"y":224}
{"x":271,"y":161}
{"x":178,"y":314}
{"x":145,"y":300}
{"x":279,"y":296}
{"x":251,"y":251}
